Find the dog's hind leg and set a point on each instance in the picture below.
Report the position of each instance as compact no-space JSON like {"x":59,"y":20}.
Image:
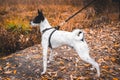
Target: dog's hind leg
{"x":91,"y":61}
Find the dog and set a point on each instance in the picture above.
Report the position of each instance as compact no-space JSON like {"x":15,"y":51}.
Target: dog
{"x":54,"y":38}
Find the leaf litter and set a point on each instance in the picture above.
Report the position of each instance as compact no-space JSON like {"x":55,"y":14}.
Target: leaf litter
{"x":104,"y":43}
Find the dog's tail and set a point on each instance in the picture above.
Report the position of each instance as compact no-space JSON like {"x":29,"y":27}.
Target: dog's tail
{"x":78,"y":34}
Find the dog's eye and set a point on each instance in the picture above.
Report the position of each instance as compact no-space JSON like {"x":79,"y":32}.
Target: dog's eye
{"x":80,"y":32}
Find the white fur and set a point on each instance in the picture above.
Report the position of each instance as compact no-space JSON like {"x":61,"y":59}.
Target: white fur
{"x":63,"y":37}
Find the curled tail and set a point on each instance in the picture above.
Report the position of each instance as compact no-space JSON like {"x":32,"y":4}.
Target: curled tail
{"x":78,"y":34}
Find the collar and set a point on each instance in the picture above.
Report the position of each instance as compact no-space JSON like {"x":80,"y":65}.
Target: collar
{"x":46,"y":30}
{"x":57,"y":28}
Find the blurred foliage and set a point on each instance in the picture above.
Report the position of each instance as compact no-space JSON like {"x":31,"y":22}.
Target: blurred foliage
{"x":18,"y":25}
{"x":15,"y":15}
{"x":11,"y":41}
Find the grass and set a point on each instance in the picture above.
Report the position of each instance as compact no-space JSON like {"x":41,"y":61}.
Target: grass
{"x":17,"y":25}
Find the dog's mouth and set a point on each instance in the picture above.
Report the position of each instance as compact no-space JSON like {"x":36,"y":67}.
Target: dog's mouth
{"x":30,"y":22}
{"x":33,"y":24}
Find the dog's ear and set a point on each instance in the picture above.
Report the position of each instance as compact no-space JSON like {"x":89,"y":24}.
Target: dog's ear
{"x":39,"y":11}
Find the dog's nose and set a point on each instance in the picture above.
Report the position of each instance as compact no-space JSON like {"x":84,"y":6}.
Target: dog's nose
{"x":80,"y":32}
{"x":30,"y":23}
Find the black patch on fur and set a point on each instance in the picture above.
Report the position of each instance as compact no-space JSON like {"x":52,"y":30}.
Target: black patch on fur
{"x":82,"y":39}
{"x":39,"y":17}
{"x":79,"y":35}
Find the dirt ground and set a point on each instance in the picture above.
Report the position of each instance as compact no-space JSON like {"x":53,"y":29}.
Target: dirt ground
{"x":104,"y":44}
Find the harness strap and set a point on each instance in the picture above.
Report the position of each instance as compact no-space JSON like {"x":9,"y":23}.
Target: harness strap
{"x":45,"y":30}
{"x":50,"y":46}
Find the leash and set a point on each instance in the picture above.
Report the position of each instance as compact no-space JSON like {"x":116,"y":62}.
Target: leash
{"x":61,"y":24}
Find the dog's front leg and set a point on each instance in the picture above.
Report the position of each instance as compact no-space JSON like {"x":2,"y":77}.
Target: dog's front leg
{"x":44,"y":60}
{"x":51,"y":56}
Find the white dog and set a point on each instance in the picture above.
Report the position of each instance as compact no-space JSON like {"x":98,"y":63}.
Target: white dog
{"x":54,"y":38}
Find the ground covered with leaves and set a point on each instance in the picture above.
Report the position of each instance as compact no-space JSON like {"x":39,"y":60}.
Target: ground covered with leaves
{"x":104,"y":43}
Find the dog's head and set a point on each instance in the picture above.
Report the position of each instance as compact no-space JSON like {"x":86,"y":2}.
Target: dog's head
{"x":38,"y":19}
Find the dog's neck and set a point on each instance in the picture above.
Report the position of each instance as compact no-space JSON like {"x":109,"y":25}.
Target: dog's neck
{"x":44,"y":25}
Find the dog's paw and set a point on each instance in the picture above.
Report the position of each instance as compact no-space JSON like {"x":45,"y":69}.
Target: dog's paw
{"x":92,"y":68}
{"x":48,"y":61}
{"x":42,"y":73}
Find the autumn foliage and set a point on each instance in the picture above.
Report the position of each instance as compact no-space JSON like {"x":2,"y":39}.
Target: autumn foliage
{"x":100,"y":21}
{"x":16,"y":15}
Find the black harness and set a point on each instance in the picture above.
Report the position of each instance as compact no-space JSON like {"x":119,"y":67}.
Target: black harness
{"x":49,"y":45}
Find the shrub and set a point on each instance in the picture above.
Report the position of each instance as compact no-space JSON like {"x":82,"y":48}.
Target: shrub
{"x":16,"y":35}
{"x":17,"y":25}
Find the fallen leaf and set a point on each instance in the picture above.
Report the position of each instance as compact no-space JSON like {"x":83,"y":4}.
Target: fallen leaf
{"x":61,"y":63}
{"x":15,"y":71}
{"x":8,"y":72}
{"x":107,"y":58}
{"x":87,"y":65}
{"x":113,"y":59}
{"x":44,"y":78}
{"x":7,"y":79}
{"x":0,"y":68}
{"x":105,"y":67}
{"x":8,"y":64}
{"x":53,"y":74}
{"x":115,"y":78}
{"x":113,"y":51}
{"x":62,"y":68}
{"x":36,"y":57}
{"x":116,"y":45}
